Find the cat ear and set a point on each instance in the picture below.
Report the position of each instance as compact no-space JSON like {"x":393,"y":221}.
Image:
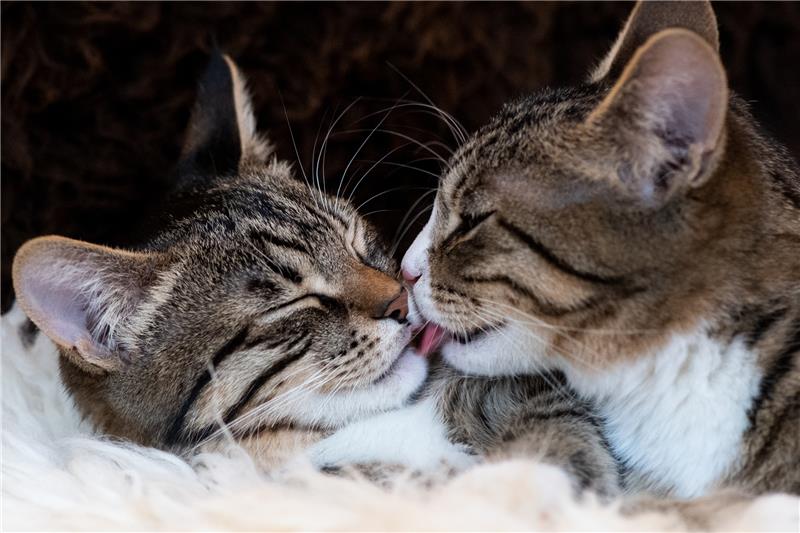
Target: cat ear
{"x":663,"y":120}
{"x":79,"y":293}
{"x":650,"y":17}
{"x":222,"y":129}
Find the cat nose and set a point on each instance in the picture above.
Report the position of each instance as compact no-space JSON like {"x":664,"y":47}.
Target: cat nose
{"x":410,"y":277}
{"x":396,"y":307}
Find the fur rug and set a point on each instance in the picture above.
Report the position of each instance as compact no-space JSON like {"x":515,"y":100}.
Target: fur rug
{"x":58,"y":475}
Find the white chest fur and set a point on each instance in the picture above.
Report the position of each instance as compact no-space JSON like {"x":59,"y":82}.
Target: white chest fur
{"x":678,"y":415}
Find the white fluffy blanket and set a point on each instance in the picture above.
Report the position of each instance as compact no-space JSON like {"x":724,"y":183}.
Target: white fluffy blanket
{"x":58,"y":475}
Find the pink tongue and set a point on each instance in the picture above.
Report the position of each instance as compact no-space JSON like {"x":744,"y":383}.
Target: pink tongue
{"x":432,"y":337}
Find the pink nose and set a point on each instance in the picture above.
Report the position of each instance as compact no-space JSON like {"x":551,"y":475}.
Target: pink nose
{"x":409,"y":277}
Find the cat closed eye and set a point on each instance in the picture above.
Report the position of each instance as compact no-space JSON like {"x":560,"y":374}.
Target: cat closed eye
{"x":291,"y":275}
{"x":467,"y":227}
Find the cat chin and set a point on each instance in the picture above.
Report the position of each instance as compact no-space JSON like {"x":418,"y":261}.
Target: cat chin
{"x":392,"y":391}
{"x":405,"y":377}
{"x":510,"y":350}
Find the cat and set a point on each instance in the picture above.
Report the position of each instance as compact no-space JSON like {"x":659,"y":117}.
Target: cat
{"x":258,"y":303}
{"x":639,"y":234}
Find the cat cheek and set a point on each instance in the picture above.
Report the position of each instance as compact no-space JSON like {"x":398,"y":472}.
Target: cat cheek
{"x":423,"y":299}
{"x":415,"y":261}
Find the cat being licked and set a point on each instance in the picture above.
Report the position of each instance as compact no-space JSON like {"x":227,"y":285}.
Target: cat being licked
{"x":258,"y":303}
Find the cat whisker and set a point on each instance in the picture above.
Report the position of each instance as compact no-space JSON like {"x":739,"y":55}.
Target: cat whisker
{"x":360,"y":147}
{"x":544,"y":372}
{"x":215,"y":409}
{"x":294,"y":144}
{"x":424,"y":146}
{"x":370,"y":169}
{"x":539,"y":322}
{"x":370,"y":213}
{"x":262,"y":414}
{"x":314,"y":151}
{"x":426,"y":109}
{"x":419,"y":331}
{"x":399,"y":238}
{"x":234,"y":425}
{"x":409,"y":167}
{"x":462,"y":133}
{"x":324,"y":149}
{"x":389,"y":191}
{"x":549,"y":345}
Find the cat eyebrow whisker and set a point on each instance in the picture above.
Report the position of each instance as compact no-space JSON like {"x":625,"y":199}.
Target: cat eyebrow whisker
{"x":437,"y":140}
{"x":313,"y":157}
{"x":389,"y":191}
{"x":408,"y":166}
{"x":399,"y":237}
{"x":424,"y":146}
{"x":436,"y":112}
{"x":361,"y":147}
{"x":294,"y":144}
{"x":321,"y":156}
{"x":369,"y":170}
{"x":450,"y":119}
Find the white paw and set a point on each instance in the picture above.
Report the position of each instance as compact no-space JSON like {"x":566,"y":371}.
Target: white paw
{"x":413,"y":437}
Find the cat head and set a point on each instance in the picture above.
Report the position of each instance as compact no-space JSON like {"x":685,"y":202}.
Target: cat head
{"x":261,"y":301}
{"x":577,"y":213}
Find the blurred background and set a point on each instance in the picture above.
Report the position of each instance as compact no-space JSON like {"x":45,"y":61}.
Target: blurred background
{"x":95,"y":96}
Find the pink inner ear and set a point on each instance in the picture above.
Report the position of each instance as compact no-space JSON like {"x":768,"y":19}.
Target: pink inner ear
{"x":61,"y":284}
{"x":59,"y":311}
{"x":680,"y":79}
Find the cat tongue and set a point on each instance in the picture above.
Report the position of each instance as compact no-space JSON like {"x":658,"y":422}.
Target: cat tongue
{"x":432,"y":337}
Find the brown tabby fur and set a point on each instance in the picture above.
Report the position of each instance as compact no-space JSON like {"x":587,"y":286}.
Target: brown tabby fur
{"x":181,"y":318}
{"x":537,"y":218}
{"x":533,"y":416}
{"x":253,"y":301}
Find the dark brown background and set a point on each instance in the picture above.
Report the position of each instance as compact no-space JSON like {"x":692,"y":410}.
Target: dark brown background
{"x":95,"y":96}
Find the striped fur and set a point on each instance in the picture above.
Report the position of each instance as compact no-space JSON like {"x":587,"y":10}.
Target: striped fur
{"x":617,"y":228}
{"x":257,"y":304}
{"x":537,"y":416}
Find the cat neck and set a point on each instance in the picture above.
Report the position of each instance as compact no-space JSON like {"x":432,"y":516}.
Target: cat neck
{"x":676,"y":417}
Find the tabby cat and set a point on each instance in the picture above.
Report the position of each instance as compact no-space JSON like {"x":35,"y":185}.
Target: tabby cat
{"x":260,"y":304}
{"x":640,"y":234}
